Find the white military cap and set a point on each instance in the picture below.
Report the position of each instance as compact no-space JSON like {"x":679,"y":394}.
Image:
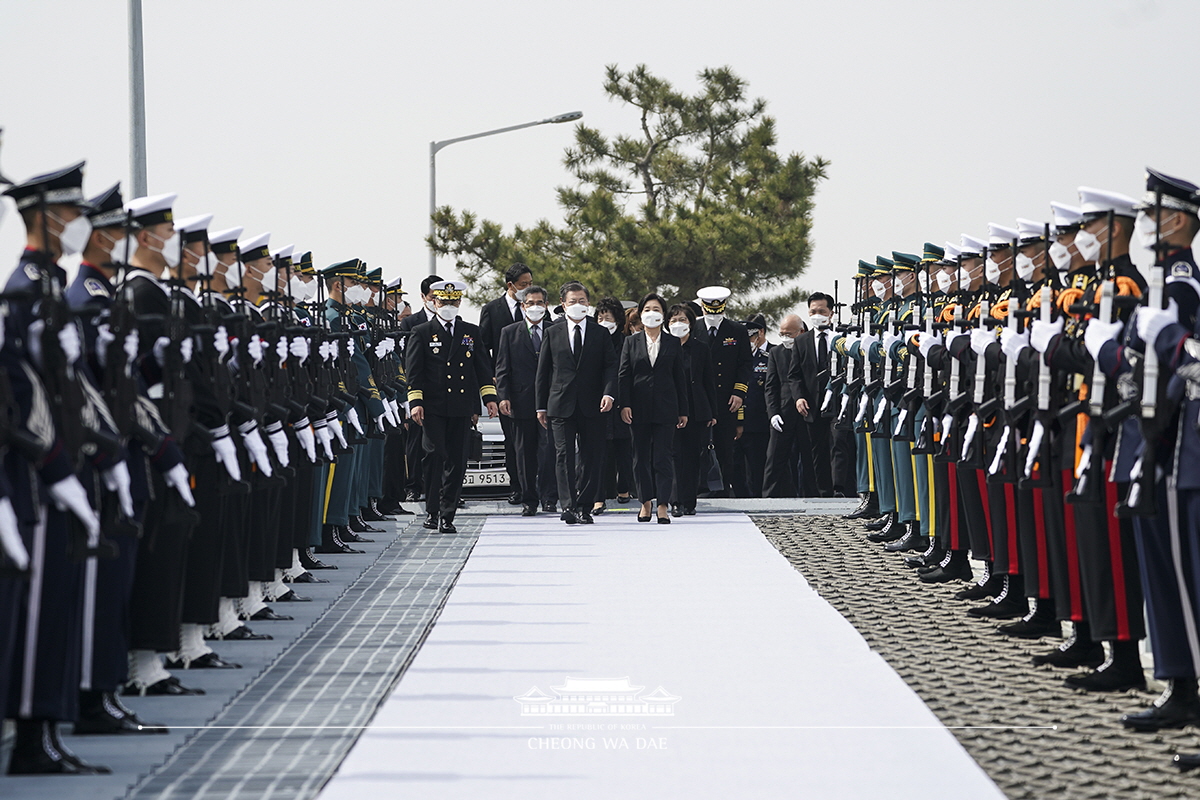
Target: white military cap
{"x":256,"y":248}
{"x":712,"y":299}
{"x":971,"y":246}
{"x":448,"y":290}
{"x":952,"y":252}
{"x":226,"y":238}
{"x":194,"y":225}
{"x":1000,"y":235}
{"x":1030,"y":229}
{"x":1065,"y":216}
{"x":1097,"y":202}
{"x":152,"y":210}
{"x":284,"y":252}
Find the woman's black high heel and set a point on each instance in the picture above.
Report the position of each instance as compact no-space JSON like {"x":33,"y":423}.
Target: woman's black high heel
{"x":643,"y":518}
{"x":664,"y":520}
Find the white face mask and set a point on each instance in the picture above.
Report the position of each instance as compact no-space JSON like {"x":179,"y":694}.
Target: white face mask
{"x":310,"y":291}
{"x":877,"y":288}
{"x":944,"y":281}
{"x":680,"y":329}
{"x":652,"y":319}
{"x":448,"y":313}
{"x":429,"y":309}
{"x":535,"y":313}
{"x":576,"y":312}
{"x":269,"y":279}
{"x":170,"y":250}
{"x":1024,"y":267}
{"x":818,"y":320}
{"x":788,"y":341}
{"x":964,"y":280}
{"x":991,"y":271}
{"x":74,"y":235}
{"x":1060,"y":254}
{"x":206,"y":264}
{"x":297,"y":287}
{"x":713,"y":320}
{"x":923,"y":281}
{"x":122,"y":250}
{"x":609,"y":325}
{"x":1088,"y":245}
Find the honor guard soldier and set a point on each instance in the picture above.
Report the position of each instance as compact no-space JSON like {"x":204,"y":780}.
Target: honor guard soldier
{"x":395,"y":466}
{"x":750,"y":446}
{"x":729,"y":345}
{"x":448,"y":375}
{"x":847,"y":346}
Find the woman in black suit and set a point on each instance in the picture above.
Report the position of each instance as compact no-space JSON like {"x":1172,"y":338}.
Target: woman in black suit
{"x":690,"y":440}
{"x":618,"y":444}
{"x":654,"y":401}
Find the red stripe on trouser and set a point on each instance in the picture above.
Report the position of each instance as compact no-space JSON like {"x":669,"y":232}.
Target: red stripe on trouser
{"x":954,"y":501}
{"x":1117,"y":558}
{"x":1014,"y":557}
{"x":1076,"y":598}
{"x":1039,"y":513}
{"x":987,"y":510}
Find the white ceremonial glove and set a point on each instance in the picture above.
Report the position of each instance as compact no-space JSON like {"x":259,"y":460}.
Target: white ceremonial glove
{"x":10,"y":535}
{"x":333,"y":352}
{"x":350,"y":347}
{"x":1012,"y":343}
{"x":116,"y":479}
{"x":221,"y":341}
{"x":926,"y":342}
{"x":226,"y":452}
{"x":1042,"y":333}
{"x":69,"y":495}
{"x":257,"y":447}
{"x":177,"y":478}
{"x":160,"y":350}
{"x":865,"y":341}
{"x":257,"y":347}
{"x":352,"y":418}
{"x":889,"y":339}
{"x":104,"y":337}
{"x":308,"y":442}
{"x":281,"y":349}
{"x":68,"y":340}
{"x":335,"y":428}
{"x":279,"y":443}
{"x":321,"y":434}
{"x":980,"y":339}
{"x":777,"y":422}
{"x":1151,"y":321}
{"x":1098,"y":333}
{"x":381,"y":420}
{"x":381,"y":349}
{"x":405,"y":408}
{"x":299,"y":348}
{"x":951,"y":335}
{"x":185,"y":350}
{"x":131,"y":345}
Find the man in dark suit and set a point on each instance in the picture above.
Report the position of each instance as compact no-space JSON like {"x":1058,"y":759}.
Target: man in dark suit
{"x":517,"y":354}
{"x":729,"y":345}
{"x":750,"y":445}
{"x":576,"y":383}
{"x":789,"y":435}
{"x":414,"y":452}
{"x":494,"y":318}
{"x":448,"y":374}
{"x":809,"y":377}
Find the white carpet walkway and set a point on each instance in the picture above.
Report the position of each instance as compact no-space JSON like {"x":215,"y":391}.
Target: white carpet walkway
{"x":771,"y":693}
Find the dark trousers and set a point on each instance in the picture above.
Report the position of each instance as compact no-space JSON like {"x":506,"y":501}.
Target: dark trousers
{"x":394,"y":472}
{"x":157,"y":602}
{"x":508,"y":425}
{"x":201,"y":591}
{"x":845,"y":481}
{"x":547,"y":458}
{"x":445,"y":462}
{"x":526,"y":437}
{"x":653,"y":464}
{"x":819,"y":465}
{"x":722,"y":439}
{"x":578,"y":483}
{"x":751,"y":454}
{"x":781,"y":476}
{"x":414,"y":453}
{"x":618,"y":466}
{"x":691,"y":441}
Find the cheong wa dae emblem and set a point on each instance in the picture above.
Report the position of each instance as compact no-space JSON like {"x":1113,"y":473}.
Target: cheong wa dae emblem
{"x":610,"y":697}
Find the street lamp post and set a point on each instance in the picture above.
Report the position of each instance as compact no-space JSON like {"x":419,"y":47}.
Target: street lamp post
{"x":434,"y":147}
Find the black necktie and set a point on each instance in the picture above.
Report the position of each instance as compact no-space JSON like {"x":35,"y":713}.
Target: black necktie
{"x":537,"y":338}
{"x":517,"y":315}
{"x":449,"y":330}
{"x":822,"y":350}
{"x":578,"y":342}
{"x":712,"y":333}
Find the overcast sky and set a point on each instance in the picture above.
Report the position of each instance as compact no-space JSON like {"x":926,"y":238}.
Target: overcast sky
{"x":312,"y":120}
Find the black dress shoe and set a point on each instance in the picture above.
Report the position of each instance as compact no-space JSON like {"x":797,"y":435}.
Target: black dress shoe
{"x":529,"y":511}
{"x":599,"y":509}
{"x":1121,"y":671}
{"x":515,"y":499}
{"x":571,"y":517}
{"x":1178,"y":707}
{"x":38,"y":750}
{"x":676,"y":511}
{"x":357,"y":525}
{"x":266,"y":614}
{"x":586,"y":518}
{"x":882,"y":522}
{"x":430,"y":523}
{"x":664,"y":520}
{"x":910,"y":541}
{"x":989,"y":588}
{"x":1008,"y":608}
{"x":244,"y":634}
{"x":290,"y":596}
{"x":462,"y":503}
{"x":928,"y":558}
{"x":308,"y":561}
{"x":166,"y":687}
{"x":102,"y":713}
{"x":331,"y":540}
{"x":894,"y":530}
{"x":395,"y":510}
{"x":1032,"y":627}
{"x":1076,"y":651}
{"x":623,"y":500}
{"x":446,"y":526}
{"x":550,"y":508}
{"x":1186,"y":763}
{"x":206,"y":661}
{"x":690,"y":511}
{"x":369,"y":514}
{"x":643,"y":519}
{"x":412,"y":497}
{"x":868,"y":508}
{"x":350,"y":536}
{"x":954,"y":567}
{"x":308,"y":577}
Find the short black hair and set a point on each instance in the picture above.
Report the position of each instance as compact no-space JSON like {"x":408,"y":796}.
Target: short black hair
{"x":427,"y":282}
{"x":651,"y":296}
{"x":821,"y":296}
{"x":682,"y":308}
{"x":573,"y":286}
{"x":514,"y":273}
{"x":535,"y":289}
{"x":613,"y":306}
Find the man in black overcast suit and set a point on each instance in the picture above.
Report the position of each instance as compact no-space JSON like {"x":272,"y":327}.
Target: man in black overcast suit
{"x":517,"y":354}
{"x":576,"y":383}
{"x":809,"y":377}
{"x":414,"y":451}
{"x":494,"y":318}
